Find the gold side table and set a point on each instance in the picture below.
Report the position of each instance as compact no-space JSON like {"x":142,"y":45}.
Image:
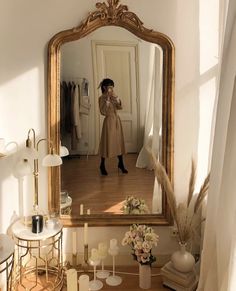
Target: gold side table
{"x":7,"y":249}
{"x":38,"y":258}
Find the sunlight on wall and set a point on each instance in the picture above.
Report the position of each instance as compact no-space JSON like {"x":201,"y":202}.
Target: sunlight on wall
{"x":209,"y":44}
{"x":21,"y":97}
{"x":209,"y":34}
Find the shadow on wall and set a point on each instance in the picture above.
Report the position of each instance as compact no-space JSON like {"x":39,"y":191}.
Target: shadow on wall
{"x":6,"y":165}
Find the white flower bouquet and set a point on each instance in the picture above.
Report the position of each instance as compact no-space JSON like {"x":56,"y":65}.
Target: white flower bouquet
{"x":141,"y":239}
{"x":134,"y":205}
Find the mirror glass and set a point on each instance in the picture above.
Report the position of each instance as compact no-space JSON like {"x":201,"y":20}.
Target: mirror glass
{"x":111,"y":42}
{"x":135,"y":66}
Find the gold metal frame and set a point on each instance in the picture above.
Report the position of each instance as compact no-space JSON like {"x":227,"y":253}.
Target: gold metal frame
{"x":111,"y":13}
{"x":7,"y":266}
{"x":33,"y":265}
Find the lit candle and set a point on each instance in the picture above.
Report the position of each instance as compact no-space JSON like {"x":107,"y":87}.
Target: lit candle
{"x":85,"y":233}
{"x":81,"y":209}
{"x":88,"y":211}
{"x":71,"y":276}
{"x":84,"y":283}
{"x":94,"y":255}
{"x":74,"y":244}
{"x":113,"y":243}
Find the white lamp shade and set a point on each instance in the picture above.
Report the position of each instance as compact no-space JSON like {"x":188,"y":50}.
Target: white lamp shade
{"x":64,"y":151}
{"x":22,"y":169}
{"x":51,"y":160}
{"x":30,"y":153}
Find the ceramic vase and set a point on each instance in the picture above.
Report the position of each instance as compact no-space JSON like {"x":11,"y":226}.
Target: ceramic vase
{"x":182,"y":260}
{"x":144,"y":276}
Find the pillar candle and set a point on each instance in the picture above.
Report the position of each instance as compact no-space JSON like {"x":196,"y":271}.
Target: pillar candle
{"x":71,"y":278}
{"x":88,"y":211}
{"x":86,"y":233}
{"x":113,"y":243}
{"x":74,"y":243}
{"x":84,"y":283}
{"x":81,"y":209}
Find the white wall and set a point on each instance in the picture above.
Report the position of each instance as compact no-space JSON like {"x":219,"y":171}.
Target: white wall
{"x":25,"y":29}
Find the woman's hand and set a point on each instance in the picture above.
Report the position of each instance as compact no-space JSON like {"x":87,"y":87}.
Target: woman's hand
{"x":111,"y":96}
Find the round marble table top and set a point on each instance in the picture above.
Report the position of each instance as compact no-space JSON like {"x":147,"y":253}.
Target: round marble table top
{"x":21,"y":231}
{"x":7,"y":247}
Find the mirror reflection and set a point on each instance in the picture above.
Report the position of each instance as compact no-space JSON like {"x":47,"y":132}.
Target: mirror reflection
{"x":135,"y":66}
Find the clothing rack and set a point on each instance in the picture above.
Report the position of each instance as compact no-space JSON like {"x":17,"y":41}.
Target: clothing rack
{"x":74,"y":79}
{"x":84,"y":104}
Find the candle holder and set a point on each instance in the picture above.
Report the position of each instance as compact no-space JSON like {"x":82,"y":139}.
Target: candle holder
{"x":86,"y":254}
{"x":103,"y":274}
{"x":113,"y":280}
{"x":95,"y":284}
{"x":102,"y":252}
{"x":74,"y":260}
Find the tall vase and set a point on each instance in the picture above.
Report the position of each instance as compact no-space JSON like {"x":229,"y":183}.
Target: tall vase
{"x":144,"y":276}
{"x":182,"y":260}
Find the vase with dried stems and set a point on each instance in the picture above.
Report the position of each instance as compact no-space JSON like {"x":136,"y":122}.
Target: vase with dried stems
{"x":185,"y":215}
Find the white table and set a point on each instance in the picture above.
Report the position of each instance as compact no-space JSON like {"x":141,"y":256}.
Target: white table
{"x":38,"y":257}
{"x":7,"y":248}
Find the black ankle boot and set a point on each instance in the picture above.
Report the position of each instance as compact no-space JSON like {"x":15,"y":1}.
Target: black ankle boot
{"x":121,"y":165}
{"x":102,"y":167}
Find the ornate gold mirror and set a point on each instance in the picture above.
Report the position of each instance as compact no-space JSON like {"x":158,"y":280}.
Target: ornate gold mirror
{"x":109,"y":40}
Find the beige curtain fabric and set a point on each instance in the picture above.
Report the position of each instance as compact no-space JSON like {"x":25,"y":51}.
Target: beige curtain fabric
{"x":218,"y":263}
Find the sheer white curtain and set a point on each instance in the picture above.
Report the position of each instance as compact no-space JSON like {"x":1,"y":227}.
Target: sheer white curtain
{"x":152,"y":130}
{"x":153,"y":113}
{"x":218,"y":266}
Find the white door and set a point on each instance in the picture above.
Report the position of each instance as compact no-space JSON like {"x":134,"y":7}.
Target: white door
{"x":117,"y":61}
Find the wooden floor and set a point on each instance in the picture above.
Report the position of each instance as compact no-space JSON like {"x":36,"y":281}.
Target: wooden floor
{"x":82,"y":179}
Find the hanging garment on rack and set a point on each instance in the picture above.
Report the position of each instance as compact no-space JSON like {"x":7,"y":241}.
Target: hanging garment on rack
{"x":76,"y":112}
{"x":85,"y":87}
{"x":85,"y":105}
{"x":74,"y":117}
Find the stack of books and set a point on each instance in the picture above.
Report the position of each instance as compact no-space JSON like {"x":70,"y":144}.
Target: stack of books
{"x":177,"y":280}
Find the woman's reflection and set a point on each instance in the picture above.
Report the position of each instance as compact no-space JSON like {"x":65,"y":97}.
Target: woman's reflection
{"x":112,"y":138}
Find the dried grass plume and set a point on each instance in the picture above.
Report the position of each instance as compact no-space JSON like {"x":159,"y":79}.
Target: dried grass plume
{"x":184,"y":214}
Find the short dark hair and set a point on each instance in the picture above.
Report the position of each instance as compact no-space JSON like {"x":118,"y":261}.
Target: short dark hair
{"x":105,"y":83}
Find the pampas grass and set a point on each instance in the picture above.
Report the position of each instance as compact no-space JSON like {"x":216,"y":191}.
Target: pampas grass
{"x":185,"y":214}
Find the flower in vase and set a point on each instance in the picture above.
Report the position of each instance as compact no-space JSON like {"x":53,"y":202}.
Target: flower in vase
{"x":141,"y":239}
{"x":134,"y":205}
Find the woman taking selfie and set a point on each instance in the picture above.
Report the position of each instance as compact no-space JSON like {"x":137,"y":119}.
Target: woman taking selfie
{"x":112,"y":138}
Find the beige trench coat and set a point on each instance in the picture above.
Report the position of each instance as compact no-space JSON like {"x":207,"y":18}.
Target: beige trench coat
{"x":112,"y":138}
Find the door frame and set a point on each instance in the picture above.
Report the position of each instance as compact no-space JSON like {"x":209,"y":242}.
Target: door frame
{"x":97,"y":93}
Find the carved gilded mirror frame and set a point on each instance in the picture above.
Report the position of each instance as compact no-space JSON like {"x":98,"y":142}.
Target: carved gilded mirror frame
{"x":111,"y":13}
